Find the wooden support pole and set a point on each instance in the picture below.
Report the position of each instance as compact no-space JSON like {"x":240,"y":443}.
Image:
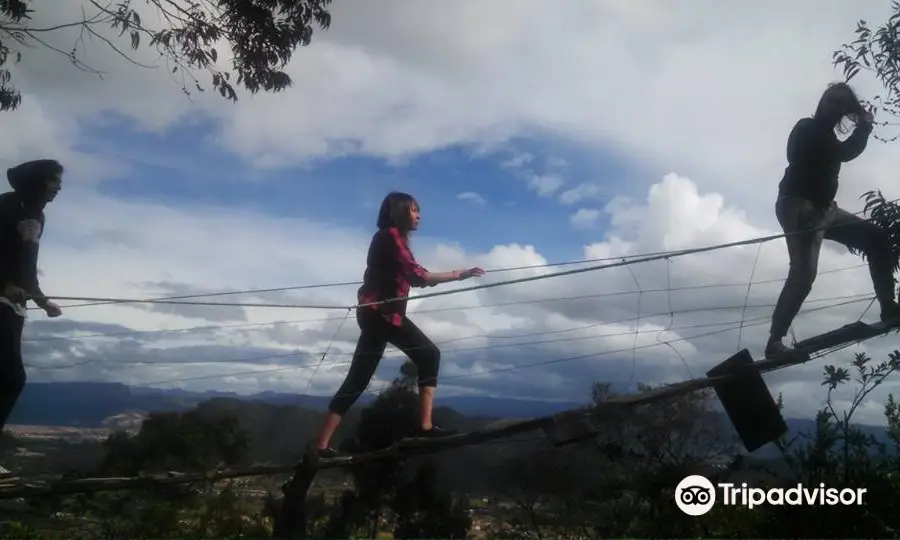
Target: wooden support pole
{"x":291,"y":521}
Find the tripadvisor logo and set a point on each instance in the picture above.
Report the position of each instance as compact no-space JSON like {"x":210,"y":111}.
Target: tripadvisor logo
{"x":696,"y":495}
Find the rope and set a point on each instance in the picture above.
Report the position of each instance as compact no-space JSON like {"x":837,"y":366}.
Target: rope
{"x":502,"y":283}
{"x":762,"y":320}
{"x":432,"y":310}
{"x":164,"y":299}
{"x":477,"y":336}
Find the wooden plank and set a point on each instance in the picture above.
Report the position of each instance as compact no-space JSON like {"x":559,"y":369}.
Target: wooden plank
{"x":413,"y":446}
{"x":849,"y":333}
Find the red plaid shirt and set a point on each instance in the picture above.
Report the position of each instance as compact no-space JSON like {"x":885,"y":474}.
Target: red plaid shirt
{"x":391,"y":270}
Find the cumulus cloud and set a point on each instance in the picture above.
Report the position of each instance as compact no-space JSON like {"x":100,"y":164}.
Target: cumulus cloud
{"x":580,"y":192}
{"x":472,"y":197}
{"x":363,"y":88}
{"x":481,"y":86}
{"x":584,"y":218}
{"x":545,"y":185}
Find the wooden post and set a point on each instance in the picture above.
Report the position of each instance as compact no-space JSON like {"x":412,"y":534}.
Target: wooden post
{"x":291,"y":521}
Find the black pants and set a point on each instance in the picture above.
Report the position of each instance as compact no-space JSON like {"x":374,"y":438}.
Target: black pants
{"x":376,"y":333}
{"x":797,"y":214}
{"x":12,"y":372}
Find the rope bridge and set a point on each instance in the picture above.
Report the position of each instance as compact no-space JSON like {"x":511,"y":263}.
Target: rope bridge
{"x":737,"y":381}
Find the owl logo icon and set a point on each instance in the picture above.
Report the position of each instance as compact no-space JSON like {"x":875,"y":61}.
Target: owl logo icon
{"x":695,"y":495}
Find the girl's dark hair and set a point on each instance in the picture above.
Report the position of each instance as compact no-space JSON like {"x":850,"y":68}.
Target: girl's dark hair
{"x":842,"y":96}
{"x":395,"y":210}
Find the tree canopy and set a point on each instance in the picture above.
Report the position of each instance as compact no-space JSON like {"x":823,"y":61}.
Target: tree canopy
{"x":261,"y":35}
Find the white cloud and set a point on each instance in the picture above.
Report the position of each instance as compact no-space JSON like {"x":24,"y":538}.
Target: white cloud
{"x":584,"y":218}
{"x":518,"y":161}
{"x":545,"y":185}
{"x":393,"y":81}
{"x":441,"y":92}
{"x":580,"y":192}
{"x":406,"y":85}
{"x":472,"y":197}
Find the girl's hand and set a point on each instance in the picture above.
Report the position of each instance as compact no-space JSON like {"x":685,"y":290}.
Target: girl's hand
{"x":471,"y":272}
{"x":51,"y":309}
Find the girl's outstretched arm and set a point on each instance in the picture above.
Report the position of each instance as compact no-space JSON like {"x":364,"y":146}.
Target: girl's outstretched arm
{"x":418,"y":276}
{"x":435,"y":278}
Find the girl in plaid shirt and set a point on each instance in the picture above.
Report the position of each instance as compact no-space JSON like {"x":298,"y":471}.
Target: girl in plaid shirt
{"x":390,"y":272}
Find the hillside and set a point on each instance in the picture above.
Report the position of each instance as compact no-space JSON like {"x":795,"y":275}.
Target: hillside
{"x":91,"y":405}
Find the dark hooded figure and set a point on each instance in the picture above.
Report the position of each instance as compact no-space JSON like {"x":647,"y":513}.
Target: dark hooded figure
{"x":34,"y":183}
{"x":808,"y":213}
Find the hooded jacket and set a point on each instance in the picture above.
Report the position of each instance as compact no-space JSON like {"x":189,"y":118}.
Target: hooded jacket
{"x":22,"y":225}
{"x":815,"y":155}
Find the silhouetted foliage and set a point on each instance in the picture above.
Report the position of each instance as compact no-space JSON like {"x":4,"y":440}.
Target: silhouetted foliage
{"x":184,"y":442}
{"x":426,"y":509}
{"x":261,"y":36}
{"x":188,"y":441}
{"x":621,"y":482}
{"x":840,"y":455}
{"x":876,"y":51}
{"x":885,"y":214}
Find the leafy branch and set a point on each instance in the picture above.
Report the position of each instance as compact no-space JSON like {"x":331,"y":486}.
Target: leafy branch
{"x":877,"y":52}
{"x":261,"y":35}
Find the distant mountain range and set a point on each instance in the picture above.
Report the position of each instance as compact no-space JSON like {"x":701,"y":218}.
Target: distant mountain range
{"x":89,"y":404}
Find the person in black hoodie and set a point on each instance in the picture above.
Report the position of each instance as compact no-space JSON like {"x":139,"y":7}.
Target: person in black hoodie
{"x":806,"y":202}
{"x":34,"y":183}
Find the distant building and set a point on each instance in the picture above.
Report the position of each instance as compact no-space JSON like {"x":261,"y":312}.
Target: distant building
{"x":129,"y":421}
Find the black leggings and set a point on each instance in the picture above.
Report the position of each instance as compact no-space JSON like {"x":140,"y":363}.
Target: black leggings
{"x":376,"y":333}
{"x":12,"y":372}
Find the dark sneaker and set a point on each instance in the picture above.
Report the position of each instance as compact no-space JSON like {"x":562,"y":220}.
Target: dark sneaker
{"x":331,"y":453}
{"x":776,"y":349}
{"x":432,"y":433}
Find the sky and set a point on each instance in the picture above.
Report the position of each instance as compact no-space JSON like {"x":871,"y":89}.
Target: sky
{"x":530,"y":136}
